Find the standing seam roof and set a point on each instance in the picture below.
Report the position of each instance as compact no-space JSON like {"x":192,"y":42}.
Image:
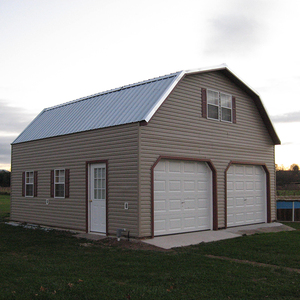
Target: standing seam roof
{"x":128,"y":104}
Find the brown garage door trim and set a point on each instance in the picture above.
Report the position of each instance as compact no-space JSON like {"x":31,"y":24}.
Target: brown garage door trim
{"x":267,"y":181}
{"x":214,"y":190}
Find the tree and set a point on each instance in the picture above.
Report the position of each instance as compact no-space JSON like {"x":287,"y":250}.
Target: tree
{"x":295,"y":168}
{"x":4,"y":178}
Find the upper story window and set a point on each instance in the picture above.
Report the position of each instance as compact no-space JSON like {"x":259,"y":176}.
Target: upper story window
{"x":218,"y":106}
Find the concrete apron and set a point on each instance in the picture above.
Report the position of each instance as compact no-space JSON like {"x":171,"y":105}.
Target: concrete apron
{"x":193,"y":238}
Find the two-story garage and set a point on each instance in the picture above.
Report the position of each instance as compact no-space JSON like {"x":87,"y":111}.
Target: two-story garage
{"x":189,"y":151}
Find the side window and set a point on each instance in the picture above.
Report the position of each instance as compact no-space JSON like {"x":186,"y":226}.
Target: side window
{"x":59,"y":183}
{"x":29,"y":183}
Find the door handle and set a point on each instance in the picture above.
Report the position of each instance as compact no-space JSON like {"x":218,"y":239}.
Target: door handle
{"x":90,"y":200}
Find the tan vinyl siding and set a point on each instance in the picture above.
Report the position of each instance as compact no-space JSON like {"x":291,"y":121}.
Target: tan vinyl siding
{"x":179,"y":130}
{"x":118,"y":145}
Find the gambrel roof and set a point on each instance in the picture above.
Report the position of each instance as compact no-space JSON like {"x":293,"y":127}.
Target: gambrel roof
{"x":129,"y":104}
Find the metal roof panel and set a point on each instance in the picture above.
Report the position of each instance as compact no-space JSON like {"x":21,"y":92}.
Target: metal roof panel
{"x":125,"y":105}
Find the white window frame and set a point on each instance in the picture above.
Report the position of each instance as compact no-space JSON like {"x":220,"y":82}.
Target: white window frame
{"x":61,"y":181}
{"x":29,"y":183}
{"x":219,"y":106}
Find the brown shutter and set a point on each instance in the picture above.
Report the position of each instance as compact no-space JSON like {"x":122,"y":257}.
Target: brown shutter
{"x":23,"y":184}
{"x":52,"y":184}
{"x":204,"y":102}
{"x":67,"y":183}
{"x":35,"y":188}
{"x":233,"y":110}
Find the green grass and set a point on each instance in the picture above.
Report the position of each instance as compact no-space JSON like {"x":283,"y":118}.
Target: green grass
{"x":36,"y":264}
{"x":4,"y":206}
{"x":288,"y":192}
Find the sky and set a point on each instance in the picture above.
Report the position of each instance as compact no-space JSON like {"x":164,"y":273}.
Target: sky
{"x":61,"y":50}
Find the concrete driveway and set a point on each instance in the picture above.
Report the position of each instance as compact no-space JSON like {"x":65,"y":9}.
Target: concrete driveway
{"x":193,"y":238}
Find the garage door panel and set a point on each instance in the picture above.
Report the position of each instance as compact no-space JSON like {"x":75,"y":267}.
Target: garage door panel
{"x":189,"y":185}
{"x":175,"y":205}
{"x":161,"y":205}
{"x":160,"y":225}
{"x":189,"y":167}
{"x":188,"y":196}
{"x":160,"y":185}
{"x":239,"y":185}
{"x":259,"y":186}
{"x":175,"y":223}
{"x":161,"y":167}
{"x":246,"y":195}
{"x":202,"y":186}
{"x":174,"y":167}
{"x":174,"y":185}
{"x":249,"y":185}
{"x":190,"y":223}
{"x":239,"y":170}
{"x":190,"y":204}
{"x":250,"y":202}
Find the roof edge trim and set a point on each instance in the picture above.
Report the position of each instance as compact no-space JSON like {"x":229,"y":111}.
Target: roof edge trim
{"x":15,"y":140}
{"x":161,"y":100}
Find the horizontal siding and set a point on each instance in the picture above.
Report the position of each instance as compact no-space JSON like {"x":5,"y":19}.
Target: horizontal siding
{"x":178,"y":129}
{"x":118,"y":145}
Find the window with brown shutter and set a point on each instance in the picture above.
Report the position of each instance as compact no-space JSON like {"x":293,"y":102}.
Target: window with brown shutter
{"x":29,"y":184}
{"x":219,"y":106}
{"x":60,"y":183}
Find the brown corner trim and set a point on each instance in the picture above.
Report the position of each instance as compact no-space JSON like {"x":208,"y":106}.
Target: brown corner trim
{"x":143,"y":123}
{"x":87,"y":164}
{"x":268,"y":182}
{"x":214,"y":190}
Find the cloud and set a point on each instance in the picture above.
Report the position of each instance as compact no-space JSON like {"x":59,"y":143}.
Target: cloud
{"x":291,"y":117}
{"x":13,"y":121}
{"x":239,"y":27}
{"x":232,"y":33}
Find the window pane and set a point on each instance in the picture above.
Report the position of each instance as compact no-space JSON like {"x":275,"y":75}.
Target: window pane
{"x":103,"y":194}
{"x":226,"y":114}
{"x":212,"y":97}
{"x":213,"y":112}
{"x":29,"y":190}
{"x":226,"y":101}
{"x":29,"y":177}
{"x":59,"y":190}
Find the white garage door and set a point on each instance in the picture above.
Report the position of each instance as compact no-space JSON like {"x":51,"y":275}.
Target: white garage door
{"x":246,"y":195}
{"x":182,"y":197}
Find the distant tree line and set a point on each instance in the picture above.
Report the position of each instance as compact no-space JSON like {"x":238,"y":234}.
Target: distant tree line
{"x":4,"y":178}
{"x":288,"y":179}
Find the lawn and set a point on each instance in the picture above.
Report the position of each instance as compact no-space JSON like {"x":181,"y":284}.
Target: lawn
{"x":39,"y":264}
{"x":288,"y":192}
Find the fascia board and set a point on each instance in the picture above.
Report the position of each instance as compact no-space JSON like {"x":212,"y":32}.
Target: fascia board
{"x":164,"y":96}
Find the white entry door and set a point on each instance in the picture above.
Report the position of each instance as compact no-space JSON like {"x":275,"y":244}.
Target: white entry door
{"x":246,"y":195}
{"x":98,"y":197}
{"x":182,"y":197}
